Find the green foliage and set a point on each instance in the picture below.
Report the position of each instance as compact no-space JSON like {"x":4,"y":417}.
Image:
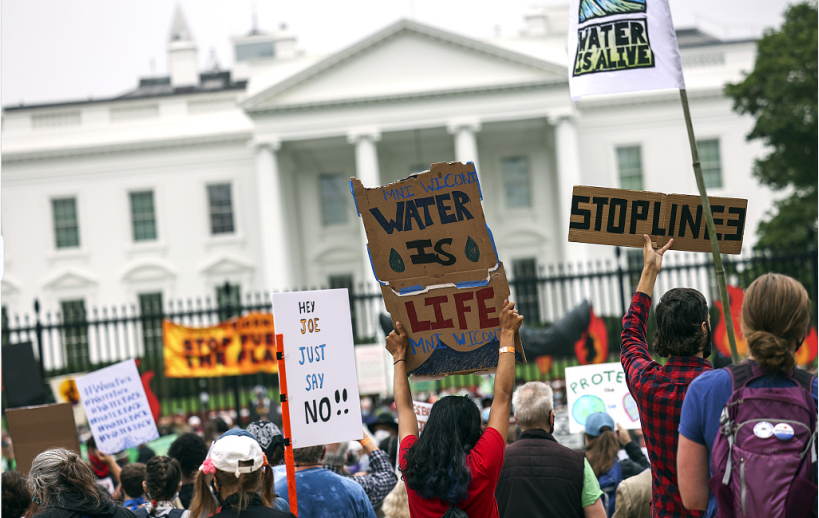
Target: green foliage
{"x":781,"y":94}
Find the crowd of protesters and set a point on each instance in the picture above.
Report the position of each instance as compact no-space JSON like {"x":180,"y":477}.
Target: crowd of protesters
{"x":483,"y":455}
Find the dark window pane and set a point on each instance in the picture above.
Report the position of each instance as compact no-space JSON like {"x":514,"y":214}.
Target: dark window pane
{"x":66,"y":225}
{"x":221,"y":209}
{"x":150,"y":308}
{"x":335,"y":191}
{"x":229,"y":301}
{"x":516,"y":183}
{"x":527,"y":300}
{"x":630,"y":167}
{"x":75,"y":334}
{"x":710,"y":161}
{"x":143,"y":216}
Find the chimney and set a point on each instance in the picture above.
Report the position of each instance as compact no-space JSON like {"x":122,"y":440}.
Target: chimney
{"x":182,"y":59}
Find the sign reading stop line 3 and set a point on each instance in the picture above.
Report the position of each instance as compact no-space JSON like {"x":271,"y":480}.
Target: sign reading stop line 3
{"x":620,"y":217}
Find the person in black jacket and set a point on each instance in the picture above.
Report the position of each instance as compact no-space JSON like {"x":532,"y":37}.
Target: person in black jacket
{"x":63,"y":486}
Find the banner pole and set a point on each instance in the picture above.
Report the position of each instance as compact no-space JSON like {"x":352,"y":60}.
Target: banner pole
{"x":288,"y":437}
{"x":709,"y":225}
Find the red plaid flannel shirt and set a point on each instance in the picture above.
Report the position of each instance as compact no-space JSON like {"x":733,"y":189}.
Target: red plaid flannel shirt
{"x":659,"y":391}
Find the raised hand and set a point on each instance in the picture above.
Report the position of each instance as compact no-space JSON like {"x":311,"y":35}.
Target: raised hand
{"x":510,"y":319}
{"x":398,"y":343}
{"x":653,"y":258}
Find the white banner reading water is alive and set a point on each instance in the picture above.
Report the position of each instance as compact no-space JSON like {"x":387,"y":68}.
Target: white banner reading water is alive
{"x":116,"y":407}
{"x":618,"y":46}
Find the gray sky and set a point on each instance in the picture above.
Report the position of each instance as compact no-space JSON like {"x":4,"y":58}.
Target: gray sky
{"x":54,"y":50}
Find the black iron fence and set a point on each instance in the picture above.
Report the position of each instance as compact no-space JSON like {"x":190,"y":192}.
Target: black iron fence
{"x":77,"y":341}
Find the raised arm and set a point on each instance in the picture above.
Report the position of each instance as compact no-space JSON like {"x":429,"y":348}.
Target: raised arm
{"x":510,"y":322}
{"x":397,"y":345}
{"x":634,"y":353}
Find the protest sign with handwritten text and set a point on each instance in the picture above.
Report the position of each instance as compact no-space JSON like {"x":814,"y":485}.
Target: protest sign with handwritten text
{"x":319,"y":357}
{"x":620,"y":217}
{"x":116,"y":407}
{"x":439,"y":271}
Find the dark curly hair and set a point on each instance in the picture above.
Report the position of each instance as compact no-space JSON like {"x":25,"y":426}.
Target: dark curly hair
{"x":190,"y":450}
{"x":162,"y":476}
{"x":680,"y":315}
{"x":16,"y":498}
{"x":436,"y":464}
{"x":131,"y":478}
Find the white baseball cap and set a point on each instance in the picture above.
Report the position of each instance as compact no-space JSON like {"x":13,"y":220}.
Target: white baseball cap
{"x":230,"y":450}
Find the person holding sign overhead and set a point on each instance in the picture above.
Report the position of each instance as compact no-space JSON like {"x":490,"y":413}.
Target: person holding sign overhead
{"x":452,"y":443}
{"x":684,"y":336}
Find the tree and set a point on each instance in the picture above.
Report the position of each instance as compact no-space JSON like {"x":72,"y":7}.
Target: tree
{"x":781,"y":94}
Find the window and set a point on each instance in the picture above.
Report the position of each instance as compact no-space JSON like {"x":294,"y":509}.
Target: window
{"x":248,"y":51}
{"x":630,"y":167}
{"x":229,"y":301}
{"x":75,"y":334}
{"x":143,"y":218}
{"x":346,"y":281}
{"x":516,"y":184}
{"x":334,"y":189}
{"x":526,"y":292}
{"x":711,"y":166}
{"x":221,"y":209}
{"x":66,"y":226}
{"x":150,"y":308}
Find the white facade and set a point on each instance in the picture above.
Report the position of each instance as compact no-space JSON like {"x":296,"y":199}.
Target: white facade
{"x":387,"y":106}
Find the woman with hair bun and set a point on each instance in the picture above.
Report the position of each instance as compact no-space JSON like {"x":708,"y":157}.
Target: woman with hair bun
{"x":775,"y":320}
{"x":163,"y":478}
{"x":62,"y":485}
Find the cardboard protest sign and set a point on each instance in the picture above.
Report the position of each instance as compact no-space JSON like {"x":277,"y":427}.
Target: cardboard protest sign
{"x":620,"y":217}
{"x":242,"y":345}
{"x":599,"y":388}
{"x":319,"y":358}
{"x":117,"y":409}
{"x":422,"y":411}
{"x":435,"y":259}
{"x":622,"y":46}
{"x":371,"y":364}
{"x":35,"y":429}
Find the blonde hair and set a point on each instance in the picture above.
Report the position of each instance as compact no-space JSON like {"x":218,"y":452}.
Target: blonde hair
{"x":775,"y":319}
{"x":396,"y":505}
{"x":259,"y":481}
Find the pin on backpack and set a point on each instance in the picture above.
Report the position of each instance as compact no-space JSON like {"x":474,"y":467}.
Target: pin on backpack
{"x":764,"y":456}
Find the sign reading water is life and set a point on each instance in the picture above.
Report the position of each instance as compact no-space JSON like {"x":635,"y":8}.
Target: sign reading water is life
{"x":319,"y":357}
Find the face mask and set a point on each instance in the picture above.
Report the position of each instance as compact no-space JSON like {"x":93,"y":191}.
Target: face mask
{"x":709,"y":343}
{"x":380,"y":435}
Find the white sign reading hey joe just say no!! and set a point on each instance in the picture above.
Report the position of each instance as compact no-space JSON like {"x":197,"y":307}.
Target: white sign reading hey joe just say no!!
{"x":319,"y":357}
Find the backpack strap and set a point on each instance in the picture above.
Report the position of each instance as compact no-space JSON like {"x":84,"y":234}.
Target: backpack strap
{"x":804,"y":378}
{"x":740,"y":373}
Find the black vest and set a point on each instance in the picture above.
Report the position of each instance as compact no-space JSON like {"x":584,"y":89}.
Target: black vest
{"x":540,"y":478}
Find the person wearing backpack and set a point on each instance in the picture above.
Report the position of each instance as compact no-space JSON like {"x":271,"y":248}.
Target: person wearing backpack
{"x":762,"y":458}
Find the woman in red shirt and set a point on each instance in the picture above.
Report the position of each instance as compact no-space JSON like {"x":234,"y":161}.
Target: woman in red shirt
{"x":452,"y":470}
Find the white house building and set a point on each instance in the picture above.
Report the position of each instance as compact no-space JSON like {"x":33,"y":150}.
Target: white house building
{"x":202,"y":177}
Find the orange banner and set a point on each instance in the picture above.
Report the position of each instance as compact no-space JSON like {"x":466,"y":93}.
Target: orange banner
{"x":244,"y":345}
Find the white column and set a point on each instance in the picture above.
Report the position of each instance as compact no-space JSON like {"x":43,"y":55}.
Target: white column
{"x":466,"y":142}
{"x":568,"y":175}
{"x":276,"y":269}
{"x":366,"y":170}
